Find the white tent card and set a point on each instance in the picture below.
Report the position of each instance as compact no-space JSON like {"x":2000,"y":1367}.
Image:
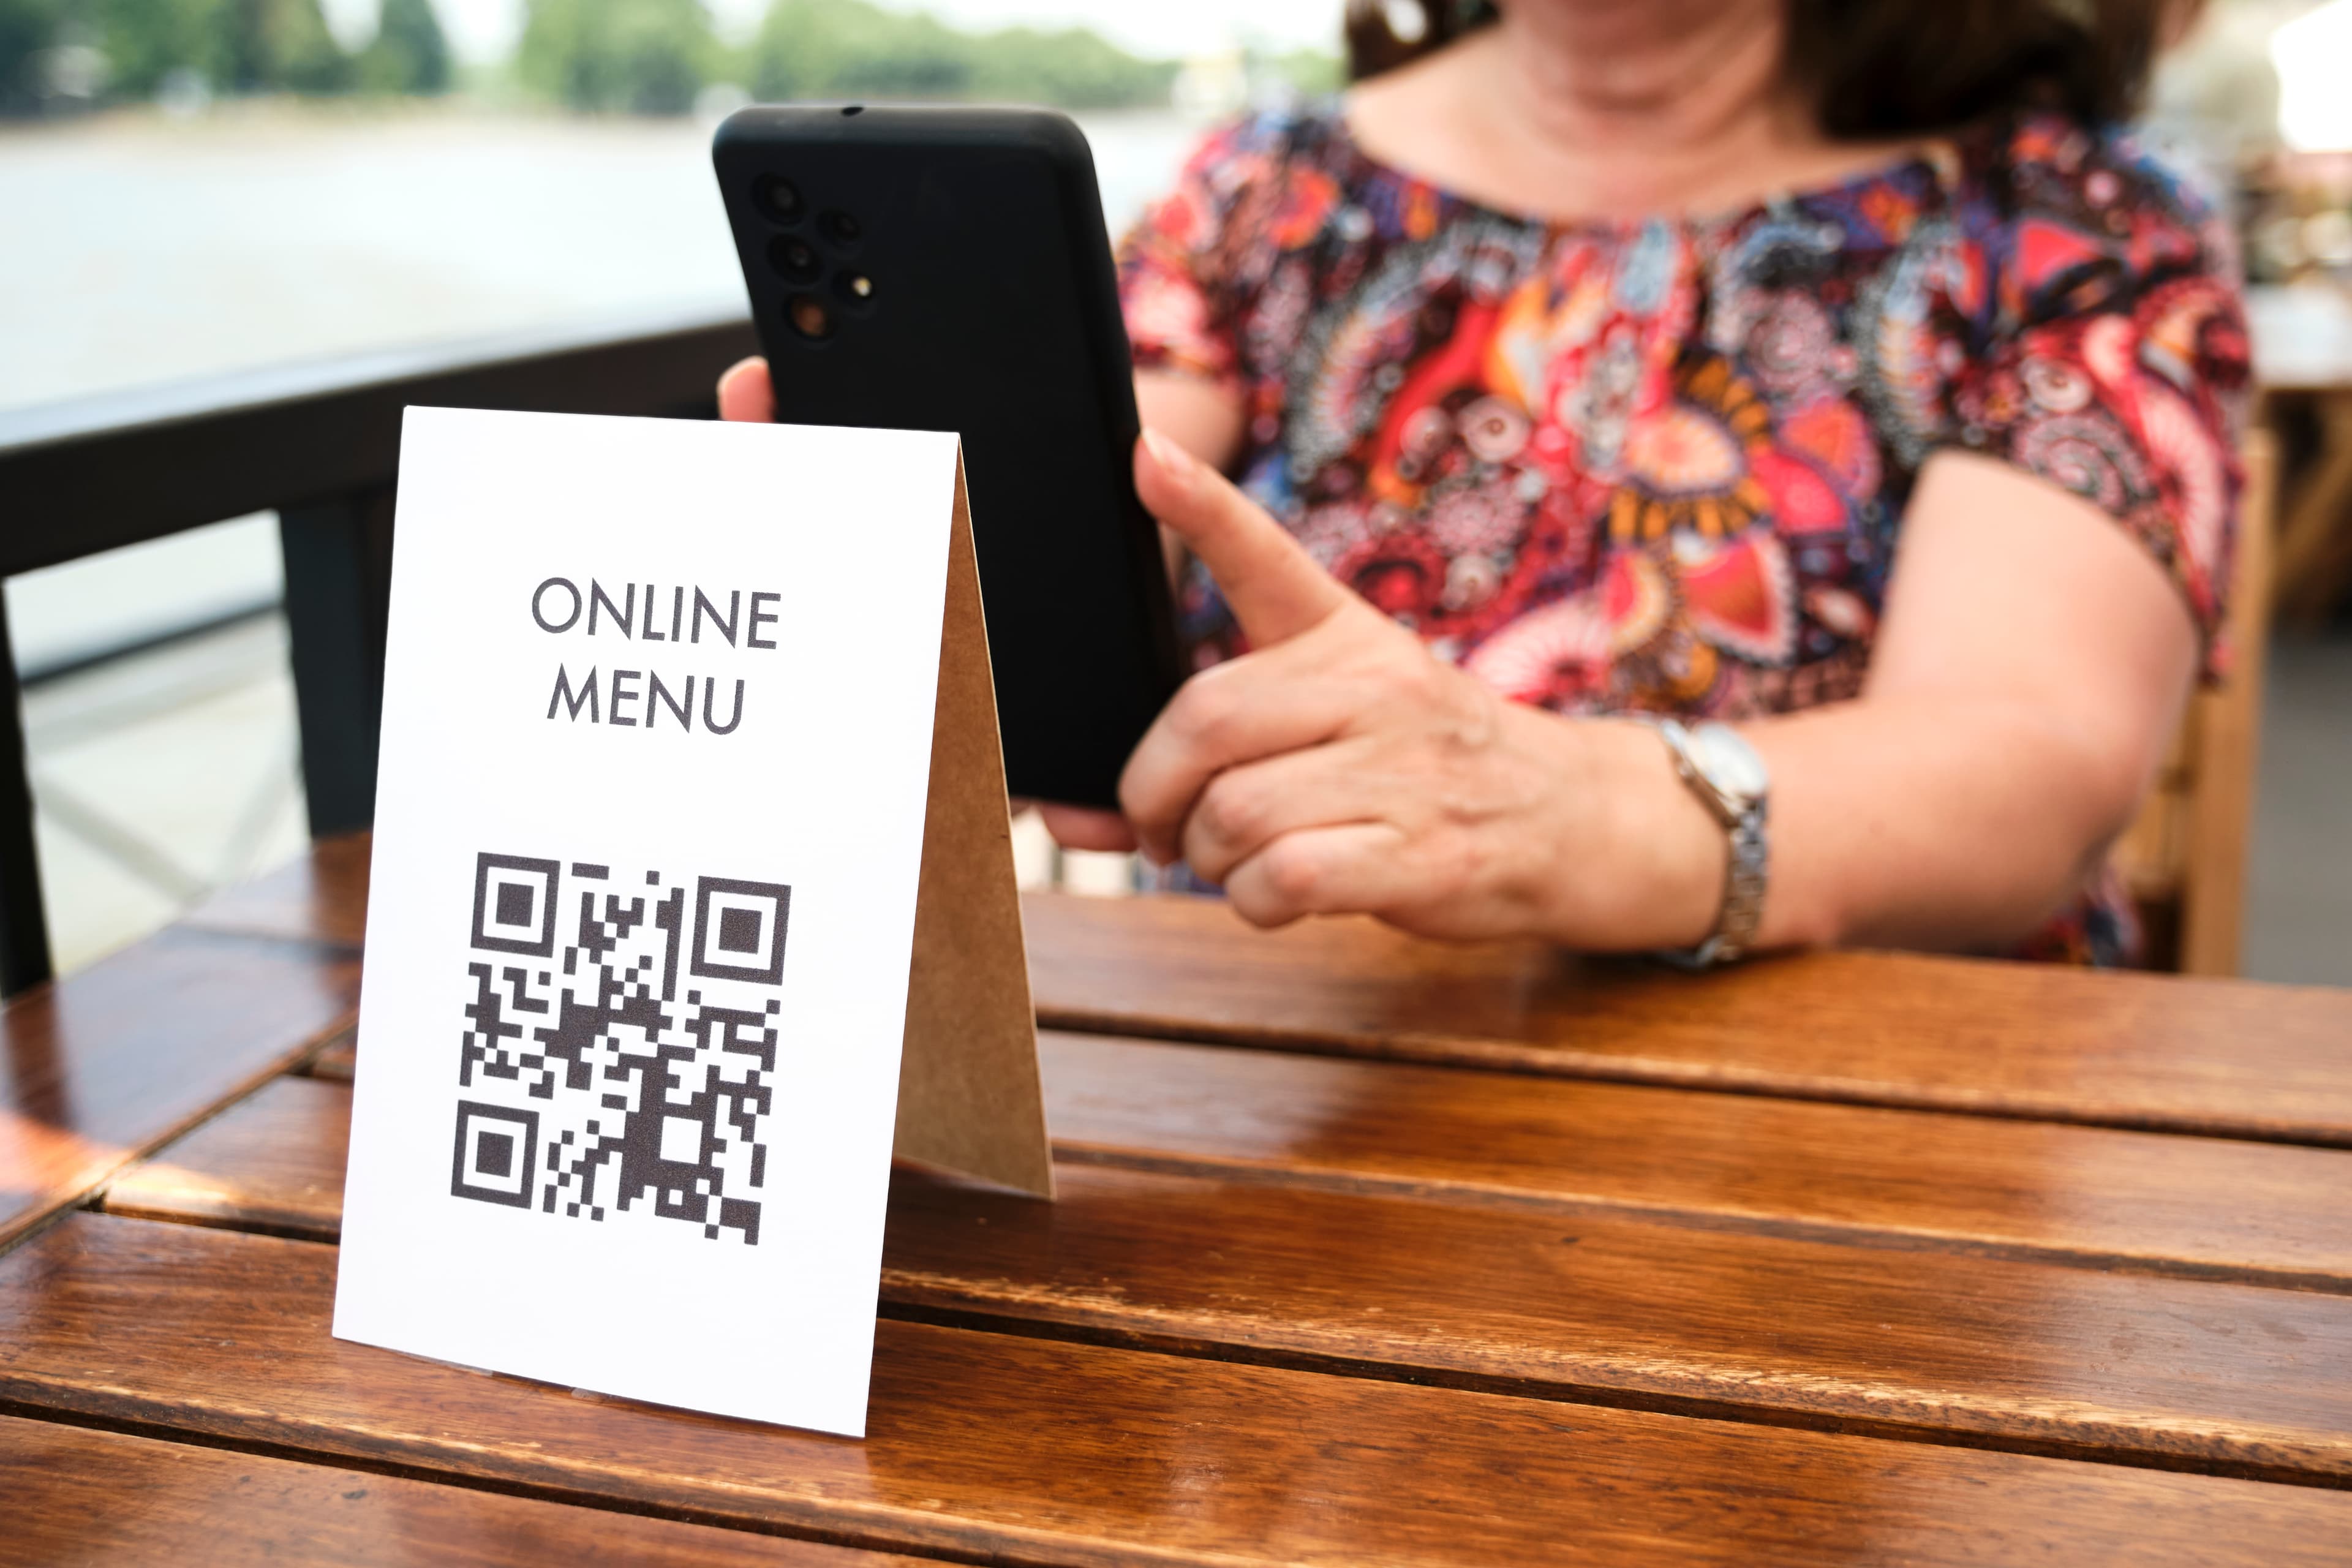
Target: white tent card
{"x":689,"y":761}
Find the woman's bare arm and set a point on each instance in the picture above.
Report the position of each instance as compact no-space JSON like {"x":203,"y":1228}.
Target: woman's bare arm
{"x":2029,"y":674}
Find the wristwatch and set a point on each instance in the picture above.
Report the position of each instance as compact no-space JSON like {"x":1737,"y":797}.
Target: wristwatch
{"x":1730,"y":779}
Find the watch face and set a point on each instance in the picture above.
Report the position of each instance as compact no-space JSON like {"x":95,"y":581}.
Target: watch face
{"x":1728,"y":762}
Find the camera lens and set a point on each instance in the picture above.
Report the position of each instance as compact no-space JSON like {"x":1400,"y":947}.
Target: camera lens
{"x":809,"y":317}
{"x":794,"y":260}
{"x":779,"y":198}
{"x":841,"y":228}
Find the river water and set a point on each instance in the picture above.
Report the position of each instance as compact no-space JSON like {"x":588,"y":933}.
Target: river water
{"x":137,"y":248}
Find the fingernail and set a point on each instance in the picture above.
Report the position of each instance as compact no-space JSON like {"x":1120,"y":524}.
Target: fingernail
{"x":1174,"y":461}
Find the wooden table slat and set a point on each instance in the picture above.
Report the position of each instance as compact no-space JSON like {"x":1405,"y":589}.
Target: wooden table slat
{"x":103,"y":1065}
{"x":2038,"y":1191}
{"x":76,"y":1495}
{"x":1070,"y":1453}
{"x":271,"y":1162}
{"x":1601,"y":1306}
{"x":2161,"y":1053}
{"x":320,"y":896}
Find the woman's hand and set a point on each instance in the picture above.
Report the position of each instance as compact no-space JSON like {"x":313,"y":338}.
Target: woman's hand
{"x":1338,"y":766}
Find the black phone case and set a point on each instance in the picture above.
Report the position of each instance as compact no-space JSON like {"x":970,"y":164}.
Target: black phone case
{"x":991,"y":310}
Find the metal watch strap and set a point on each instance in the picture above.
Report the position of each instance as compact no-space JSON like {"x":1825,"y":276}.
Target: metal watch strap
{"x":1746,"y":869}
{"x":1743,"y":891}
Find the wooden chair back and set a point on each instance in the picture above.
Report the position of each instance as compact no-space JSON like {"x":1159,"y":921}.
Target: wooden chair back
{"x":2184,"y":859}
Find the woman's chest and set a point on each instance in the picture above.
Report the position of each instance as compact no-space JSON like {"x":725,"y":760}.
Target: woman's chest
{"x":1657,"y":468}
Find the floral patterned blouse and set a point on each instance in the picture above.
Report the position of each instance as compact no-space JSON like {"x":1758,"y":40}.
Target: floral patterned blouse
{"x":1662,"y":466}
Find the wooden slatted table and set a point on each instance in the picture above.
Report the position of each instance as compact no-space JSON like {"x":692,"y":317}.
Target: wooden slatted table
{"x":1368,"y":1251}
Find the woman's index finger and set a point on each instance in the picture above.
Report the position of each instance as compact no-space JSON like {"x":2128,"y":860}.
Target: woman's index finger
{"x":1275,"y":589}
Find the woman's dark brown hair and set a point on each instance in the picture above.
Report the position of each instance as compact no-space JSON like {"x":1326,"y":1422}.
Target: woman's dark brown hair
{"x":1882,"y":67}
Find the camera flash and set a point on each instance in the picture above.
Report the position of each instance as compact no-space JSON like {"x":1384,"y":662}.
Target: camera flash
{"x":862,"y":286}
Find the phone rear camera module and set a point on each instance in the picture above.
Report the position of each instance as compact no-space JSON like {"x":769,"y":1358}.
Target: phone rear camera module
{"x":809,"y":317}
{"x":855,"y":290}
{"x":795,"y":259}
{"x":779,"y":199}
{"x":843,"y":230}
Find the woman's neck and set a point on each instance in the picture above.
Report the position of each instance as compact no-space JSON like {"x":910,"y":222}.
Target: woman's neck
{"x":1606,"y":107}
{"x":1646,"y":78}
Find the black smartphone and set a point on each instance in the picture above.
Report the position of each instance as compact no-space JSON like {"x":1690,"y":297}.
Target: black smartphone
{"x":947,"y":269}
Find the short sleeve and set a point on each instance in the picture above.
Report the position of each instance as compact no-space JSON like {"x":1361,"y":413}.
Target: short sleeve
{"x":1183,"y":277}
{"x":2115,"y":363}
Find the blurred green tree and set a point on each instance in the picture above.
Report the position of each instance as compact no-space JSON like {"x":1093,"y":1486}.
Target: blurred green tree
{"x":236,"y":45}
{"x":810,"y":48}
{"x":27,"y":27}
{"x":1310,"y":71}
{"x":144,"y":40}
{"x":852,"y":49}
{"x":1072,"y":67}
{"x":279,"y":45}
{"x":645,"y":56}
{"x":409,"y":52}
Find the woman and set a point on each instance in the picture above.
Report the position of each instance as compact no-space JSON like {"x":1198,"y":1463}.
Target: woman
{"x":1831,"y":376}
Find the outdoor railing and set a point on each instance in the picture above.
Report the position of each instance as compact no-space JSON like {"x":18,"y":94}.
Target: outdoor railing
{"x":319,"y":443}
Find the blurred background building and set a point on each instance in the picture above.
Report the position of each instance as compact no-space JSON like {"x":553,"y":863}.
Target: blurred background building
{"x":190,"y":188}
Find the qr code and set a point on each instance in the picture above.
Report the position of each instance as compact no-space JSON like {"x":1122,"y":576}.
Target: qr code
{"x":620,"y":1046}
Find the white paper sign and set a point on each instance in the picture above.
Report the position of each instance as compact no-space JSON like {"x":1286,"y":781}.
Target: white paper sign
{"x":658,"y":722}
